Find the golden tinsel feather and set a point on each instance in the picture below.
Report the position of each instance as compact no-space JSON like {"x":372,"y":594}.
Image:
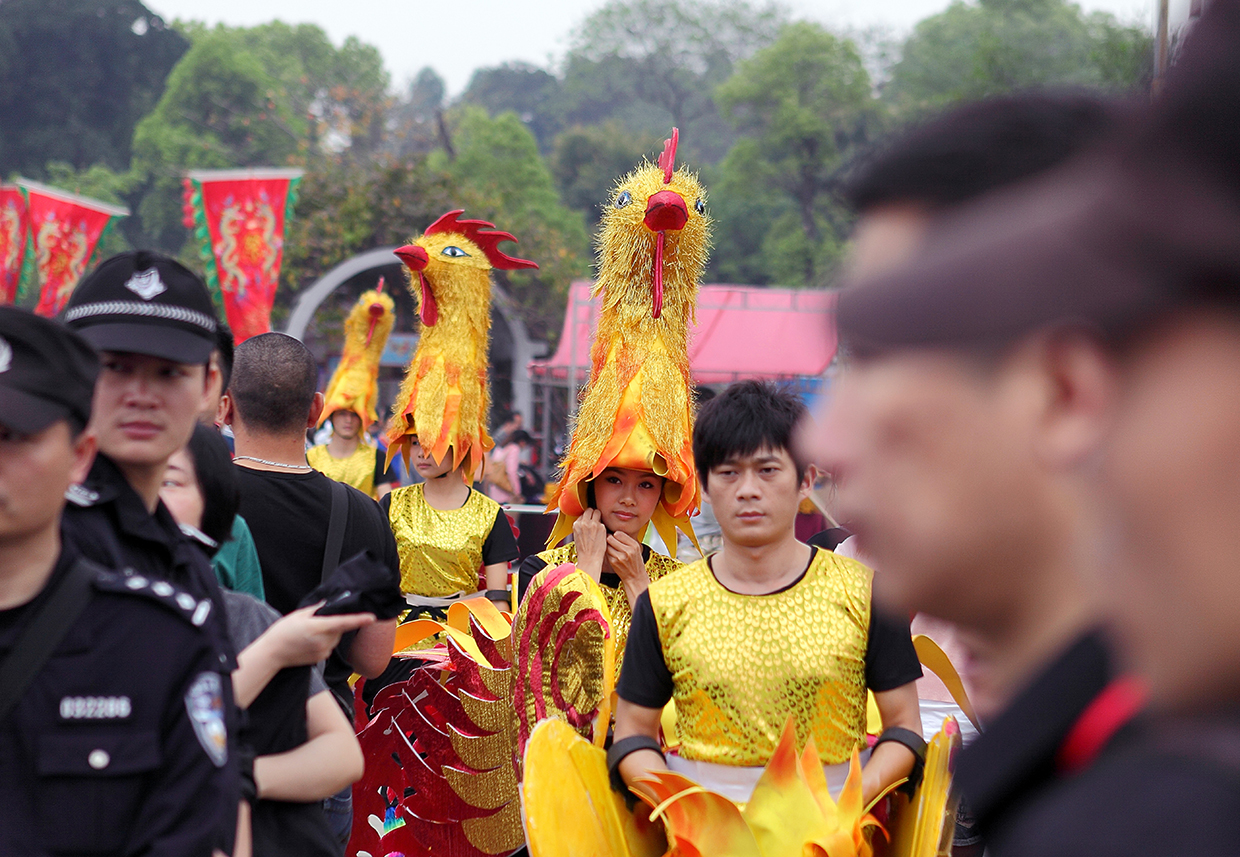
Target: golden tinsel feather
{"x":444,"y":399}
{"x":354,"y":385}
{"x":637,"y":411}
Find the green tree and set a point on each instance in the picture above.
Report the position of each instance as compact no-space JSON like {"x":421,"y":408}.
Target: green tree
{"x":803,"y":103}
{"x":265,"y":96}
{"x":664,"y":57}
{"x":415,"y":121}
{"x":75,"y":77}
{"x":588,"y":160}
{"x":501,"y":178}
{"x":530,"y":92}
{"x":347,"y":206}
{"x":971,"y":51}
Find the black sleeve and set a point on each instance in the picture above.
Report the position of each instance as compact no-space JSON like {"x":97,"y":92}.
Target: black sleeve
{"x":385,"y":503}
{"x":381,"y":472}
{"x":526,"y":572}
{"x":829,"y":539}
{"x":645,"y":679}
{"x":501,"y":544}
{"x":890,"y":659}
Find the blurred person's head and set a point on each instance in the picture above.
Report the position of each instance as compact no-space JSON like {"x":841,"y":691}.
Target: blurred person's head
{"x":200,"y":486}
{"x":47,"y":376}
{"x":750,"y":472}
{"x":956,"y":157}
{"x":154,"y":325}
{"x":346,"y":425}
{"x":274,"y":387}
{"x":1129,"y":268}
{"x":948,"y":459}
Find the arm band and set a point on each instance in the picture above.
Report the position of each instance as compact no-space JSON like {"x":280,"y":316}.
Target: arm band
{"x":622,"y":749}
{"x":916,"y":744}
{"x":498,"y":595}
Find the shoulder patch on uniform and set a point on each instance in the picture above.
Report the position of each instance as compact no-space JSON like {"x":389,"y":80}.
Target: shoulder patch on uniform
{"x":80,"y":495}
{"x":204,"y":702}
{"x":193,"y":610}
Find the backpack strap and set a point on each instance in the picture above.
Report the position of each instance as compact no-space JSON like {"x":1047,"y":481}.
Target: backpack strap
{"x":44,"y":632}
{"x":335,"y":529}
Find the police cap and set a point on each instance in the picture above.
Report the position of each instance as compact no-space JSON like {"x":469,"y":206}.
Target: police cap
{"x":47,"y":372}
{"x":143,"y":302}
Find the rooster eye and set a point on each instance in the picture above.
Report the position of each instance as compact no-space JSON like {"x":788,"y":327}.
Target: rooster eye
{"x":623,"y":199}
{"x":699,"y":207}
{"x":453,"y":251}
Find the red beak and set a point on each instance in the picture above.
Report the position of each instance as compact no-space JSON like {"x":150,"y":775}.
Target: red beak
{"x":665,"y":210}
{"x":413,"y":256}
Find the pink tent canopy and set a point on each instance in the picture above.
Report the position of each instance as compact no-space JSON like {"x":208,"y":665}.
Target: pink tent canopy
{"x":741,"y":332}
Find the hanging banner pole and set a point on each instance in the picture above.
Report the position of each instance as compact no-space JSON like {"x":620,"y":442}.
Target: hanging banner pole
{"x":14,"y":228}
{"x":238,"y":219}
{"x":65,"y":229}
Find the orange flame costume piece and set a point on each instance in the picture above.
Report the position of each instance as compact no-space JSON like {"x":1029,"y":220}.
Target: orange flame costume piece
{"x":444,"y":400}
{"x":637,"y":410}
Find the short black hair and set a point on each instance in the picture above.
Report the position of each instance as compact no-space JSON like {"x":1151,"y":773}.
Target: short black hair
{"x":978,"y":147}
{"x":274,"y":380}
{"x":520,"y":436}
{"x":744,"y":418}
{"x":217,"y":482}
{"x":224,"y":346}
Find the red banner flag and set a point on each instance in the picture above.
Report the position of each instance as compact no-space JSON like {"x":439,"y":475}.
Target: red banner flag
{"x":64,"y":230}
{"x":239,"y":218}
{"x":13,"y":231}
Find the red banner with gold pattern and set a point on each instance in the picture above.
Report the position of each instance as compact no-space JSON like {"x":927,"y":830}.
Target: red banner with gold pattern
{"x":13,"y":232}
{"x":239,"y":218}
{"x":64,"y":230}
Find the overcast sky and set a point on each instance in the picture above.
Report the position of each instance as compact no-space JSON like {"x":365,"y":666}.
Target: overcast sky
{"x":454,"y":38}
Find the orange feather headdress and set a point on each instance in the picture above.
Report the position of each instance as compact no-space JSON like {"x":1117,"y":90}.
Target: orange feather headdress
{"x":355,"y":383}
{"x":637,"y":412}
{"x":444,"y":400}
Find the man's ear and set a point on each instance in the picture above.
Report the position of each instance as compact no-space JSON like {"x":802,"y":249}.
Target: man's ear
{"x":807,"y":482}
{"x":1084,"y":387}
{"x":316,"y":410}
{"x":224,"y":415}
{"x":85,"y":445}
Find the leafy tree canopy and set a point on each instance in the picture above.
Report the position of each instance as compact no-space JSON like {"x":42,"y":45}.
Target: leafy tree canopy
{"x":971,"y":51}
{"x":802,"y":104}
{"x":500,"y":178}
{"x":75,"y":78}
{"x":264,"y":96}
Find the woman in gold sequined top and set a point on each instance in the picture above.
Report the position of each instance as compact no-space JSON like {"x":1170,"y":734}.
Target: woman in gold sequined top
{"x":607,"y":543}
{"x":445,"y":533}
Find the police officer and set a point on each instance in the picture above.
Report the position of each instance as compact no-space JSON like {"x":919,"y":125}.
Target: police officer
{"x":153,"y":323}
{"x":112,"y":705}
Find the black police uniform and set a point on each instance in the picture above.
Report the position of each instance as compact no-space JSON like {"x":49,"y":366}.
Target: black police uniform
{"x":106,"y":521}
{"x":119,"y":745}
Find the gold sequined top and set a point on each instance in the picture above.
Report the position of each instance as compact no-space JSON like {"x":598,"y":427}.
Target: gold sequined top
{"x":657,"y":566}
{"x":741,"y":664}
{"x":357,"y":470}
{"x":440,"y":550}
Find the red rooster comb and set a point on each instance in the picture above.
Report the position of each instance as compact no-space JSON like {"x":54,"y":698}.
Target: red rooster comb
{"x":667,"y":160}
{"x":485,"y":235}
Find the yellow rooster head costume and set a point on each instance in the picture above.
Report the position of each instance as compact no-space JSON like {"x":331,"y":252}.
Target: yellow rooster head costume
{"x":355,"y":383}
{"x":637,"y":412}
{"x":444,"y":399}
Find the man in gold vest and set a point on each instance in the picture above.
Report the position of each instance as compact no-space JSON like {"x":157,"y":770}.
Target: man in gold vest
{"x":765,"y":629}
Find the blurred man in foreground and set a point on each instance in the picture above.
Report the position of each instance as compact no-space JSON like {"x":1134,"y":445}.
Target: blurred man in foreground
{"x":1115,"y":284}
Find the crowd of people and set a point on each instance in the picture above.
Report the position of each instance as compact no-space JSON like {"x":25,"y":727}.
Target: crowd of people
{"x":1033,"y":440}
